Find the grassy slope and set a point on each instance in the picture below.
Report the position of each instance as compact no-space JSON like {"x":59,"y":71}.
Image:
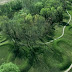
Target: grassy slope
{"x":4,"y":48}
{"x":63,"y":59}
{"x":64,"y":45}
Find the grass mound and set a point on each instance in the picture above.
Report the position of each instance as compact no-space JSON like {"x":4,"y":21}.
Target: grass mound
{"x":4,"y":52}
{"x":70,"y":29}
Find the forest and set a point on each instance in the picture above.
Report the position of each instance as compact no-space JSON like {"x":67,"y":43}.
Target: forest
{"x":30,"y":38}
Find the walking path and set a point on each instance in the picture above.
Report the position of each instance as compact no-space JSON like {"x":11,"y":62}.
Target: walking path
{"x":61,"y":37}
{"x":56,"y":38}
{"x":62,"y":31}
{"x":68,"y":68}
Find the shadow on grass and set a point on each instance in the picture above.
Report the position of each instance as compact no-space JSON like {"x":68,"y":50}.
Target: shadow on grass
{"x":66,"y":66}
{"x":64,"y":24}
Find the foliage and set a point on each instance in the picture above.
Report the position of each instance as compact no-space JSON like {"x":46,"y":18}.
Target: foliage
{"x":28,"y":22}
{"x":26,"y":29}
{"x":9,"y":67}
{"x":37,"y":7}
{"x":45,"y":12}
{"x":64,"y":4}
{"x":59,"y":14}
{"x":9,"y":8}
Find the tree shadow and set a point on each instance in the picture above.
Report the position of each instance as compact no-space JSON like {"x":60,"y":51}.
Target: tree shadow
{"x":64,"y":24}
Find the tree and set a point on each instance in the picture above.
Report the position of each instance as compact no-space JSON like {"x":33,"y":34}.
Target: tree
{"x":9,"y":67}
{"x":25,"y":30}
{"x":49,"y":14}
{"x":27,"y":4}
{"x":59,"y":14}
{"x":52,"y":3}
{"x":10,"y":8}
{"x":30,"y":24}
{"x":64,"y":4}
{"x":28,"y":18}
{"x":45,"y":12}
{"x":16,"y":5}
{"x":53,"y":15}
{"x":37,"y":7}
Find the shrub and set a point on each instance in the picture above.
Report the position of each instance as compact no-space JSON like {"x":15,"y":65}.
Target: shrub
{"x":9,"y":67}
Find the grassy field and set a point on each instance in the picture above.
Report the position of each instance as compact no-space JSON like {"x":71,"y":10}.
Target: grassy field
{"x":4,"y":47}
{"x":64,"y":45}
{"x":58,"y":57}
{"x":62,"y":57}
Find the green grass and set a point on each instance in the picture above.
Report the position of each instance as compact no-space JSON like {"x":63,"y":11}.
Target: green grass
{"x":58,"y":55}
{"x":4,"y":49}
{"x":7,"y":56}
{"x":58,"y":31}
{"x":64,"y":44}
{"x":4,"y":52}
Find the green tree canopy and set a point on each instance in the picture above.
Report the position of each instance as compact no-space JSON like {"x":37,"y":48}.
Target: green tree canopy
{"x":45,"y":12}
{"x":25,"y":29}
{"x":9,"y":67}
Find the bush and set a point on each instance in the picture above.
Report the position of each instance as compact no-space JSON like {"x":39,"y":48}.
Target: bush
{"x":45,"y":12}
{"x":10,"y":8}
{"x":9,"y":67}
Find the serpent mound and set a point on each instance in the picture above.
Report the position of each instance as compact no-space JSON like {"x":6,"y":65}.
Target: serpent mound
{"x":70,"y":29}
{"x":4,"y":52}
